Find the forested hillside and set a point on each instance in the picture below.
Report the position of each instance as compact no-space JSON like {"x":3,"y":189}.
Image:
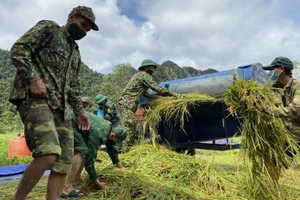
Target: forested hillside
{"x":92,"y":83}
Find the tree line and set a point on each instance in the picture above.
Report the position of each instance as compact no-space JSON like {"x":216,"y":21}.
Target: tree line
{"x":92,"y":83}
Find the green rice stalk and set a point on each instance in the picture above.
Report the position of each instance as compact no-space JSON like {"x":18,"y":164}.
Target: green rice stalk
{"x":159,"y":173}
{"x":171,"y":109}
{"x":264,"y":136}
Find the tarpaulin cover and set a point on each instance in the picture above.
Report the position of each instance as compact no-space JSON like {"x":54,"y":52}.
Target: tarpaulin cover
{"x":13,"y":172}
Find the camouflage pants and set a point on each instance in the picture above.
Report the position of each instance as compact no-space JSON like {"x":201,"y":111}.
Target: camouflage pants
{"x":127,"y":118}
{"x":46,"y":132}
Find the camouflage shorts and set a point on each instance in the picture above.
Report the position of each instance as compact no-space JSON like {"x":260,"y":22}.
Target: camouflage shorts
{"x":47,"y":132}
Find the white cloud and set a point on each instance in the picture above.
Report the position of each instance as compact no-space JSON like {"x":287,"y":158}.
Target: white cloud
{"x":219,"y":34}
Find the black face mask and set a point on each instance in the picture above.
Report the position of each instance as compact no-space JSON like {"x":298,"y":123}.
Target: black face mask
{"x":150,"y":72}
{"x":110,"y":142}
{"x":101,"y":106}
{"x":76,"y":32}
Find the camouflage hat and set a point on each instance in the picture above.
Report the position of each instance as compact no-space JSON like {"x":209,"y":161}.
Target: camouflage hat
{"x":120,"y":131}
{"x":147,"y":62}
{"x":87,"y":13}
{"x":278,"y":62}
{"x":86,"y":100}
{"x":99,"y":98}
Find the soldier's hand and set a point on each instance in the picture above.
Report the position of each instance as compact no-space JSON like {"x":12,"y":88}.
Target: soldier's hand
{"x":38,"y":89}
{"x":179,"y":96}
{"x":119,"y":165}
{"x":83,"y":121}
{"x":101,"y":185}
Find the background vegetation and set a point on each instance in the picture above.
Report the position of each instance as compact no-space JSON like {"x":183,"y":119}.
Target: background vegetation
{"x":92,"y":83}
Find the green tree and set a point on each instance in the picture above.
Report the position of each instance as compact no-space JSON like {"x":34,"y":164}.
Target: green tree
{"x":114,"y":83}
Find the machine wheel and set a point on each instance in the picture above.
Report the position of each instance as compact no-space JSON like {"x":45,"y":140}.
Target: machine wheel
{"x":190,"y":151}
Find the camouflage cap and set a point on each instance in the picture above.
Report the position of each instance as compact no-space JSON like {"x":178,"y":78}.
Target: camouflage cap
{"x":86,"y":100}
{"x":87,"y":13}
{"x":120,"y":131}
{"x":147,"y":62}
{"x":99,"y":98}
{"x":278,"y":62}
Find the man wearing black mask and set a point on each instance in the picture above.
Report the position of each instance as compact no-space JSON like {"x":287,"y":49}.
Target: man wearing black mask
{"x":45,"y":88}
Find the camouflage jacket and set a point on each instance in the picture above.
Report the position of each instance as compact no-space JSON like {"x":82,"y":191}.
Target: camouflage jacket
{"x":48,"y":52}
{"x":289,"y":107}
{"x":137,"y":87}
{"x":96,"y":136}
{"x":111,"y":113}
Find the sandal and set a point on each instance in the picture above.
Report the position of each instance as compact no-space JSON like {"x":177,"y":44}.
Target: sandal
{"x":75,"y":193}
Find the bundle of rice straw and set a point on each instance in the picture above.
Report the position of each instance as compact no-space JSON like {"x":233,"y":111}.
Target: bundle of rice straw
{"x":169,"y":108}
{"x":264,"y":136}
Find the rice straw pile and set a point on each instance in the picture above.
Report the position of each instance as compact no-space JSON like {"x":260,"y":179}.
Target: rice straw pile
{"x":159,"y":173}
{"x":264,"y":136}
{"x":169,"y":108}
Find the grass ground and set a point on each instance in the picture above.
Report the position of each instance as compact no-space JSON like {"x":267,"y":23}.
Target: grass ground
{"x":228,"y":160}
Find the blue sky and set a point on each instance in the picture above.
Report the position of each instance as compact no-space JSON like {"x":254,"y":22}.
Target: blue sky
{"x":130,"y":9}
{"x":219,"y":34}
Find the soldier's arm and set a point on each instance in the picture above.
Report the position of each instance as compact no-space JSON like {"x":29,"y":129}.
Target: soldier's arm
{"x":110,"y":109}
{"x":294,"y":106}
{"x":90,"y":158}
{"x":149,"y":95}
{"x":112,"y":152}
{"x":293,"y":109}
{"x":149,"y":82}
{"x":26,"y":46}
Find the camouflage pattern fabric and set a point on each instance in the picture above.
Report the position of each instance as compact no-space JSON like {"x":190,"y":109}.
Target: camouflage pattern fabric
{"x":137,"y":87}
{"x":111,"y":113}
{"x":87,"y":142}
{"x":289,"y":107}
{"x":127,"y":117}
{"x":48,"y":52}
{"x":46,"y":132}
{"x":86,"y":12}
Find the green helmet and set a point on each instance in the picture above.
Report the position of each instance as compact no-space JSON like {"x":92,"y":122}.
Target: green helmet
{"x":99,"y":98}
{"x":120,"y":131}
{"x":147,"y":62}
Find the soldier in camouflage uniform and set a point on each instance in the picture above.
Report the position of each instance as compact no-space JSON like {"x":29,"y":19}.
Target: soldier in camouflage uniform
{"x":109,"y":109}
{"x":86,"y":102}
{"x":86,"y":147}
{"x":45,"y":88}
{"x":136,"y":88}
{"x":288,"y":105}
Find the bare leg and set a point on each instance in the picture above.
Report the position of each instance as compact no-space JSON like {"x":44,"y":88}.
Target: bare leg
{"x":76,"y":169}
{"x":78,"y":179}
{"x":33,"y":174}
{"x":56,"y":183}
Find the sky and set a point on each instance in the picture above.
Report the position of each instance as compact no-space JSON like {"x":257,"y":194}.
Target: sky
{"x":217,"y":34}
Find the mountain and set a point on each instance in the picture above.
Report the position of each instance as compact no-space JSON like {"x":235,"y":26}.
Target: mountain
{"x":170,"y":71}
{"x":92,"y":83}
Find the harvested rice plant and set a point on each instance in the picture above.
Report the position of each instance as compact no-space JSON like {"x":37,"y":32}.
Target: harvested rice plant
{"x":265,"y":140}
{"x":153,"y":171}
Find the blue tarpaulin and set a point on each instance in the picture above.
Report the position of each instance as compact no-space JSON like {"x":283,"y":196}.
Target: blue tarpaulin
{"x":13,"y":173}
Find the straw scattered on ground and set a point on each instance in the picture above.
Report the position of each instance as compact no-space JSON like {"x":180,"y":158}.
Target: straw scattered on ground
{"x":159,"y":173}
